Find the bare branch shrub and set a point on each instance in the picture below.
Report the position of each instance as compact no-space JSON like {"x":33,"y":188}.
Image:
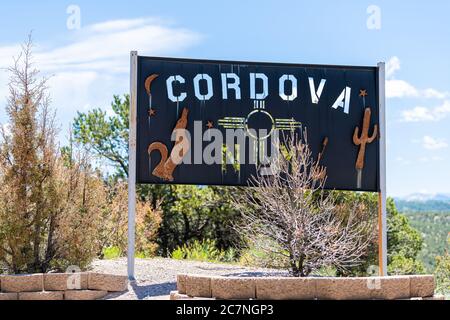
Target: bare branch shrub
{"x":289,"y":214}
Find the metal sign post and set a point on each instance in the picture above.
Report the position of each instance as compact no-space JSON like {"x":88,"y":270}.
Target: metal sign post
{"x":382,"y":221}
{"x":132,"y":165}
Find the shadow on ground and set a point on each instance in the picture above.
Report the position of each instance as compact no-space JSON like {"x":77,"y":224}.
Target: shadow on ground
{"x":143,"y":292}
{"x":153,"y":290}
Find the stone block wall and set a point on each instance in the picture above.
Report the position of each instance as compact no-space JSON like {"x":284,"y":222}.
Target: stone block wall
{"x":320,"y":288}
{"x":60,"y":286}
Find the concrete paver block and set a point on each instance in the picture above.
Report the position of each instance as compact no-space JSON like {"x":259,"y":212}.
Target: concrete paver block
{"x":281,"y":288}
{"x":107,"y":282}
{"x":233,"y":288}
{"x":84,"y":294}
{"x":42,"y":295}
{"x":198,"y":286}
{"x":65,"y":281}
{"x":22,"y":283}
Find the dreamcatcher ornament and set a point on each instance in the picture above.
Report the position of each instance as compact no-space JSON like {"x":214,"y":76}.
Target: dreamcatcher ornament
{"x":363,"y":139}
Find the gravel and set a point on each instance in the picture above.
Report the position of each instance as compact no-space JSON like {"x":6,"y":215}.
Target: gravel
{"x":156,"y":277}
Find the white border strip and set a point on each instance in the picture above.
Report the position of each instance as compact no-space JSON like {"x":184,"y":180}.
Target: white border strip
{"x":132,"y":165}
{"x":382,"y":201}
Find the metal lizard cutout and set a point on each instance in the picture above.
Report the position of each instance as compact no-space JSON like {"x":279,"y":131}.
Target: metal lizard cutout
{"x":362,"y":141}
{"x":165,"y":168}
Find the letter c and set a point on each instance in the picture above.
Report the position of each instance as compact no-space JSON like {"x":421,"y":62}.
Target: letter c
{"x":169,"y":84}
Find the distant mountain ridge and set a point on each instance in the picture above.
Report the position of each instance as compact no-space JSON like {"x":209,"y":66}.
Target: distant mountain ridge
{"x":423,"y":202}
{"x":426,"y":197}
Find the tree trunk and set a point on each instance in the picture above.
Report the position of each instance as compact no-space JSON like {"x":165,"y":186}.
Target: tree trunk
{"x":187,"y":227}
{"x":36,"y":247}
{"x":294,"y":268}
{"x":50,"y":250}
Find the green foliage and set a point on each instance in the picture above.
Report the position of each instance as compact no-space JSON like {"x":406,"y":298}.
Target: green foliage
{"x":196,"y":213}
{"x":434,"y":227}
{"x":189,"y":212}
{"x":111,"y":253}
{"x":368,"y":203}
{"x":399,"y":264}
{"x":205,"y":250}
{"x":178,"y":254}
{"x":114,"y":252}
{"x":404,"y":240}
{"x":193,"y":213}
{"x":442,"y":274}
{"x":404,"y":243}
{"x":144,"y":254}
{"x":402,"y":237}
{"x":108,"y":136}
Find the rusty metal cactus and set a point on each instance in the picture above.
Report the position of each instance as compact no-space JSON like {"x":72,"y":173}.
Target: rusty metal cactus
{"x":364,"y":138}
{"x":361,"y":141}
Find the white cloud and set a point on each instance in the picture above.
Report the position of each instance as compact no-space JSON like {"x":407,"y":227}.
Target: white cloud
{"x":392,"y":66}
{"x":419,"y":114}
{"x":403,"y":89}
{"x":433,"y":93}
{"x":396,"y":88}
{"x":431,"y":143}
{"x":119,"y":25}
{"x":106,"y":46}
{"x":400,"y":89}
{"x":94,"y":62}
{"x":71,"y":90}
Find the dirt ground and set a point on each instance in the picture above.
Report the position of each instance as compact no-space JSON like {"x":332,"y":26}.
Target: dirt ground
{"x":156,"y":277}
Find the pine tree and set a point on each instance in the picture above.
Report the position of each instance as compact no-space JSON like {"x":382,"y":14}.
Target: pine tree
{"x":28,"y":160}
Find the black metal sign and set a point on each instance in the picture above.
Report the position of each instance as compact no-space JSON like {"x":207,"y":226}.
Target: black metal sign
{"x":211,"y":122}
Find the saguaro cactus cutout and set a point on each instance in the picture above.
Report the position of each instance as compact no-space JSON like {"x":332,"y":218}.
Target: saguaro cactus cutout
{"x":362,"y":141}
{"x":164,"y":170}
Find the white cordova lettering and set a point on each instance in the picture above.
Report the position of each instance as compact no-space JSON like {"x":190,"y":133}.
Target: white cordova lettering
{"x":230,"y":85}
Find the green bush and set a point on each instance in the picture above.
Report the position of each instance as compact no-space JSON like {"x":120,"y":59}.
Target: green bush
{"x":144,"y":255}
{"x":442,"y":274}
{"x":178,"y":254}
{"x":114,"y":252}
{"x":111,"y":253}
{"x":401,"y":265}
{"x":205,"y":250}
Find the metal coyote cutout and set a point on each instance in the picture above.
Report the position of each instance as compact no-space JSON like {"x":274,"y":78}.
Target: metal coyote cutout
{"x":164,"y":170}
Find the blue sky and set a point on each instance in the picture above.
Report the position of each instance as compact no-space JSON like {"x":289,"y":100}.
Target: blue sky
{"x":90,"y":64}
